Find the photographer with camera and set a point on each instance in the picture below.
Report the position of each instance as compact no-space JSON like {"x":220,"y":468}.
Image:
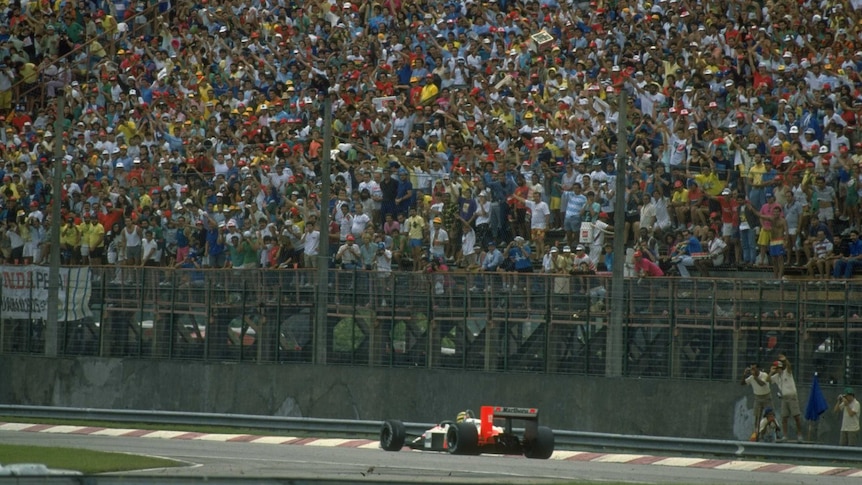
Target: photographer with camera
{"x":849,"y":407}
{"x":781,"y":374}
{"x":755,"y":377}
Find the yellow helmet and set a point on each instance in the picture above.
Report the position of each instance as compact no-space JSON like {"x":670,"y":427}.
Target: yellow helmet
{"x":461,"y":417}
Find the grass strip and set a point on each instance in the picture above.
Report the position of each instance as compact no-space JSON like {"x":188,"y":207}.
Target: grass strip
{"x":85,"y":461}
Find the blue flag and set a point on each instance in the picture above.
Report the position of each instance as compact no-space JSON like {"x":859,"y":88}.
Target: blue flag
{"x":817,"y":404}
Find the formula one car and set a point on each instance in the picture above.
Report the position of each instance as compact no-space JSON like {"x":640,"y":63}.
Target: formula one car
{"x":470,"y":436}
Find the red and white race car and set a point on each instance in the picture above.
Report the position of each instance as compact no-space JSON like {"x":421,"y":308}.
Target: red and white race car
{"x":491,"y":433}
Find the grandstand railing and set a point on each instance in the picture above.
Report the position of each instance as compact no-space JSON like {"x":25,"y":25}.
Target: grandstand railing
{"x":697,"y":328}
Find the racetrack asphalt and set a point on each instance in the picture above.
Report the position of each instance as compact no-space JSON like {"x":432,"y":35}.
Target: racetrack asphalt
{"x":352,"y":460}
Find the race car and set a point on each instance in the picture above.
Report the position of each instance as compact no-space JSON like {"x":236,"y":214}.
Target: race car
{"x":491,"y":433}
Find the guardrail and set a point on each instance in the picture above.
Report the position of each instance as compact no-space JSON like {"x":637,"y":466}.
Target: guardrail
{"x":661,"y":445}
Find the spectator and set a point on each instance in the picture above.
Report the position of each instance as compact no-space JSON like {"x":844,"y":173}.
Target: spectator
{"x":180,"y":103}
{"x":643,"y":267}
{"x":849,"y":408}
{"x":782,"y":375}
{"x":845,"y":264}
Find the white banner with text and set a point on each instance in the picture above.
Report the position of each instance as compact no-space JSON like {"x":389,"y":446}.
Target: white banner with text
{"x":24,"y":293}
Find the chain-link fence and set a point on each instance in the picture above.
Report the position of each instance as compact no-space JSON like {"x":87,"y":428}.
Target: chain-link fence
{"x":681,"y":328}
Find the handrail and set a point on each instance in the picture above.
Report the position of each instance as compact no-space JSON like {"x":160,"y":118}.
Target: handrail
{"x":564,"y":439}
{"x":75,"y":50}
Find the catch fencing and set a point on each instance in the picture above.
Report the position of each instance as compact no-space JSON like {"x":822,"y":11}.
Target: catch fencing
{"x":699,"y":328}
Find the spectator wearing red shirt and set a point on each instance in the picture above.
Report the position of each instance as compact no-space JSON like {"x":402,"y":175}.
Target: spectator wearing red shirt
{"x":111,"y":215}
{"x":644,"y":267}
{"x":762,"y":80}
{"x":520,"y":225}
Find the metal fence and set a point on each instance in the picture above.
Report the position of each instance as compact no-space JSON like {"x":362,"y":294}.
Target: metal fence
{"x":696,"y":328}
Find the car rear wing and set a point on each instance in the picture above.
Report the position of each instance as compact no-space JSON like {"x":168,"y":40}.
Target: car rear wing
{"x":490,"y":413}
{"x":511,"y":412}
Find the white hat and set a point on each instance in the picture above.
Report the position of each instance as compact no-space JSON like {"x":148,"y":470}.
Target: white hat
{"x":585,"y":145}
{"x":794,"y":129}
{"x":824,"y":149}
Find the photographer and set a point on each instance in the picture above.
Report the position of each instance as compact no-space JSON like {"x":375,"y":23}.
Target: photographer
{"x":759,"y":382}
{"x":781,"y":374}
{"x":849,"y":407}
{"x":16,"y":242}
{"x":383,"y":265}
{"x":768,"y":430}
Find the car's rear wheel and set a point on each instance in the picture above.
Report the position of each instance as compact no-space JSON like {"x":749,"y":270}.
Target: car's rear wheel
{"x":541,"y":447}
{"x":392,"y":435}
{"x":462,"y":439}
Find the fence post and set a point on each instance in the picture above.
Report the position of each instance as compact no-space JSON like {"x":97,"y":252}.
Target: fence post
{"x":712,"y":333}
{"x":242,"y":322}
{"x":674,"y":337}
{"x":173,"y":317}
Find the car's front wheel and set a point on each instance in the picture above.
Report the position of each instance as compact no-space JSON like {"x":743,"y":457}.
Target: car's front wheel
{"x":392,"y":435}
{"x":462,"y":439}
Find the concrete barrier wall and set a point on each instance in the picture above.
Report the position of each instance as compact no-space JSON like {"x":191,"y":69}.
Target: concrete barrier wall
{"x":695,"y":409}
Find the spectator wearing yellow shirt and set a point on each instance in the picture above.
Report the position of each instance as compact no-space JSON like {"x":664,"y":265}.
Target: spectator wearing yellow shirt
{"x":415,"y":234}
{"x":109,"y":25}
{"x":145,"y":200}
{"x":679,"y":203}
{"x":29,"y":78}
{"x":97,"y":52}
{"x":708,"y":180}
{"x":756,"y":194}
{"x":70,"y":241}
{"x":9,"y":188}
{"x":429,"y":91}
{"x":92,"y":239}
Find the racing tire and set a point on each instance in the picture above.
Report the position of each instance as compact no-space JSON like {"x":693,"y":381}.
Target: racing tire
{"x":462,"y":439}
{"x":542,"y":446}
{"x":392,"y":435}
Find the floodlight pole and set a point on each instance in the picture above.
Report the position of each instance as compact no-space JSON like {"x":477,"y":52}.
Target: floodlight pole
{"x":614,"y":347}
{"x":52,"y":321}
{"x":321,"y":331}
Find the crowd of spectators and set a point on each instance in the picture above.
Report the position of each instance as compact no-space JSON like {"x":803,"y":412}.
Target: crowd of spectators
{"x":477,"y":135}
